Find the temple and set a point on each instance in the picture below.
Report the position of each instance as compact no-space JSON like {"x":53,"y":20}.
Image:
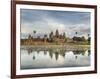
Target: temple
{"x":47,"y":39}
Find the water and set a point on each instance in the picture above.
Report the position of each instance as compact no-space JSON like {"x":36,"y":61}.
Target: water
{"x":53,"y":58}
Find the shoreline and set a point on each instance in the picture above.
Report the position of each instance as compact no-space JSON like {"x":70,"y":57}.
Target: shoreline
{"x":63,"y":47}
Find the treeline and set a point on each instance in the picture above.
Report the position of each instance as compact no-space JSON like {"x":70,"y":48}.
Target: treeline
{"x":55,"y":38}
{"x":81,"y":38}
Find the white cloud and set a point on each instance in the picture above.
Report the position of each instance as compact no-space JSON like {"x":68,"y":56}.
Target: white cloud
{"x":25,"y":28}
{"x":48,"y":24}
{"x":44,"y":26}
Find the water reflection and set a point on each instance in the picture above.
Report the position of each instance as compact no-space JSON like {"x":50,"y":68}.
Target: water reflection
{"x":77,"y":52}
{"x":46,"y":58}
{"x":89,"y":52}
{"x":57,"y":52}
{"x":30,"y":50}
{"x":33,"y":57}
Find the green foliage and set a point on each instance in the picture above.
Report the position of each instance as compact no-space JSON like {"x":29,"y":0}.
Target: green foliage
{"x":89,"y":39}
{"x":64,"y":35}
{"x":79,"y":38}
{"x":30,"y":37}
{"x":34,"y":31}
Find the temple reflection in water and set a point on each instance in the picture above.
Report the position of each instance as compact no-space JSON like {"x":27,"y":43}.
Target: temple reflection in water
{"x":57,"y":52}
{"x":33,"y":58}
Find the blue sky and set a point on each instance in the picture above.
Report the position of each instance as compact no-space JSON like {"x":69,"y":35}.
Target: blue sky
{"x":45,"y":21}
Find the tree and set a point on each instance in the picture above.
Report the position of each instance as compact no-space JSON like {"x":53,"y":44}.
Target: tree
{"x":79,"y":38}
{"x":38,"y":37}
{"x":74,"y":38}
{"x":76,"y":33}
{"x":29,"y":37}
{"x":45,"y":37}
{"x":88,"y":35}
{"x":34,"y":31}
{"x":82,"y":38}
{"x":64,"y":35}
{"x":89,"y":38}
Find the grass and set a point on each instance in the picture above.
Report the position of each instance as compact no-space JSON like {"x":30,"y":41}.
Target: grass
{"x":67,"y":47}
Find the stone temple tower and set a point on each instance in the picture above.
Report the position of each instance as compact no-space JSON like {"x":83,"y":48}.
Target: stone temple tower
{"x":57,"y":33}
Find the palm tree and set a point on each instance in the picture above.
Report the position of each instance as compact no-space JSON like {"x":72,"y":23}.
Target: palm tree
{"x":29,"y":36}
{"x":89,"y":38}
{"x":88,"y":35}
{"x":34,"y":31}
{"x":45,"y":37}
{"x":64,"y":35}
{"x":75,"y":37}
{"x":76,"y":33}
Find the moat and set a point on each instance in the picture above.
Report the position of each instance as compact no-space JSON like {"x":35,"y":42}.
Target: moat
{"x":35,"y":58}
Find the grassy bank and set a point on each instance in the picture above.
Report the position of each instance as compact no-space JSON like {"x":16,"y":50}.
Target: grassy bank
{"x":65,"y":47}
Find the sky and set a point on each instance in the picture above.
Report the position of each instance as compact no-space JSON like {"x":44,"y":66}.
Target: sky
{"x":45,"y":21}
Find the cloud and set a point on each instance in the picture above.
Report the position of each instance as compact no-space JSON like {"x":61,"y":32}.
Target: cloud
{"x":81,"y":29}
{"x":44,"y":26}
{"x":46,"y":21}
